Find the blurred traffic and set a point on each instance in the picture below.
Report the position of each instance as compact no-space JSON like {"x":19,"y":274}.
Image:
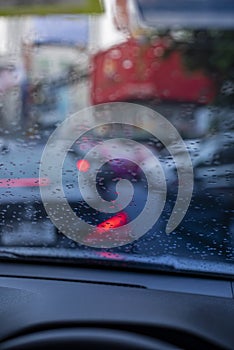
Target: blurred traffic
{"x":52,"y":67}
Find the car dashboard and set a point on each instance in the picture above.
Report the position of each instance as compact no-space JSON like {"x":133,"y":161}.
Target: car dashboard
{"x":57,"y":306}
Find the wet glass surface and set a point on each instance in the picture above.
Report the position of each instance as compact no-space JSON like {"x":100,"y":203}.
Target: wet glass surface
{"x":185,"y":74}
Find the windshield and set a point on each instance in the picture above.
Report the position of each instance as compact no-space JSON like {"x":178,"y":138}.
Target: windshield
{"x":117,"y":137}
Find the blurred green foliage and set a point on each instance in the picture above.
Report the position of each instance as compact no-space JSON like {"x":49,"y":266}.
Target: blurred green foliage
{"x":211,"y":51}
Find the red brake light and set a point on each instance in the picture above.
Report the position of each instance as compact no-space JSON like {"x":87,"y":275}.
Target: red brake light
{"x":83,"y":165}
{"x":118,"y":220}
{"x":102,"y":231}
{"x":24,"y":182}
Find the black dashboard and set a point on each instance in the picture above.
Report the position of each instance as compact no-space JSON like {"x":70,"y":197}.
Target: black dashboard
{"x":54,"y":306}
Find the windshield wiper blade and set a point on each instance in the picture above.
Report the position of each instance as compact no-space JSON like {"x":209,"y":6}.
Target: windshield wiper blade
{"x":160,"y":263}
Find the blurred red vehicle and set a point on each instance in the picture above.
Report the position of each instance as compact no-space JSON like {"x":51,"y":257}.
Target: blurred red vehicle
{"x":139,"y":69}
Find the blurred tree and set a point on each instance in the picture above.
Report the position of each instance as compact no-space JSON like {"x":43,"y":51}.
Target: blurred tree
{"x":211,"y":51}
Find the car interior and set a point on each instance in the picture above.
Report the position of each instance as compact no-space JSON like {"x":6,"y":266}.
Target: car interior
{"x":69,"y":68}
